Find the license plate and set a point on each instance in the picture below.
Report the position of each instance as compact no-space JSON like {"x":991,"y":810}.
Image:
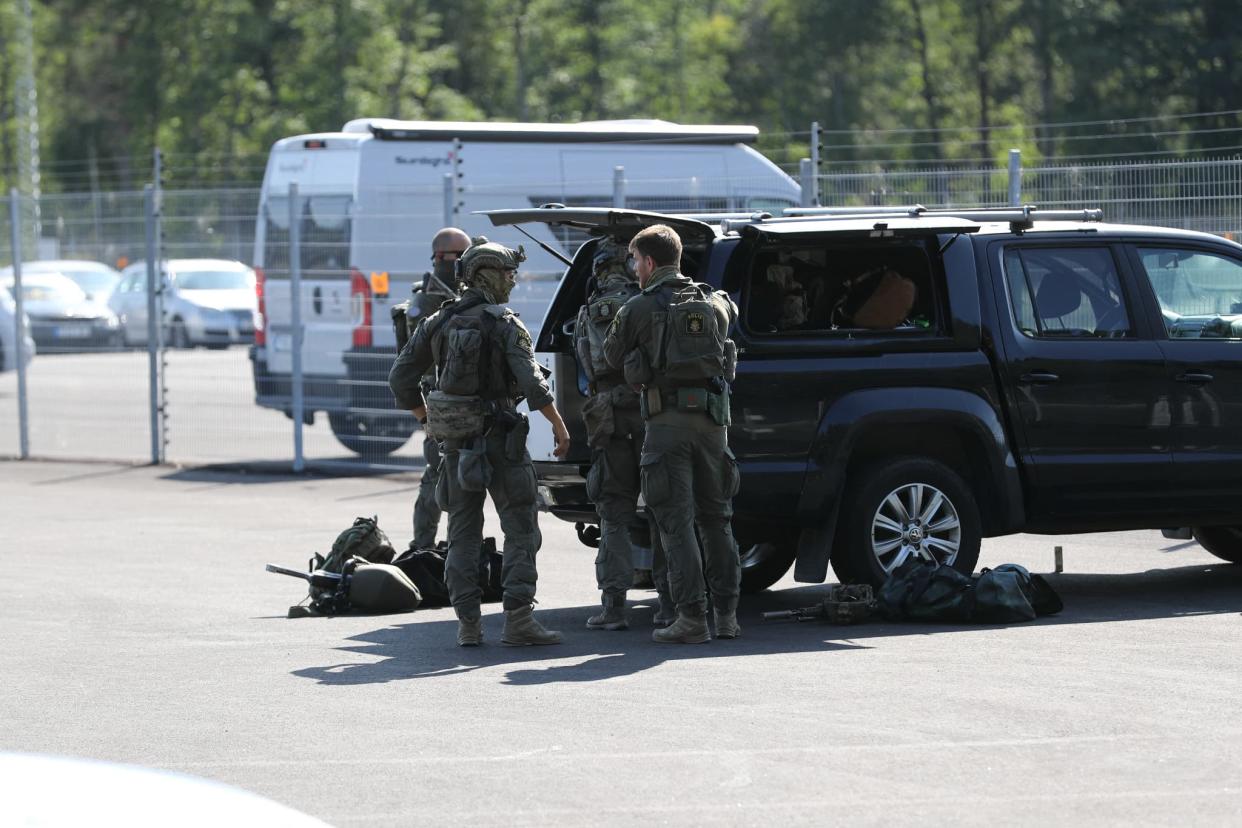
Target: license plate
{"x":71,"y":331}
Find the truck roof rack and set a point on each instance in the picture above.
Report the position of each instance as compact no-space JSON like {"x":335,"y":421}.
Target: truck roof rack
{"x":1019,"y":217}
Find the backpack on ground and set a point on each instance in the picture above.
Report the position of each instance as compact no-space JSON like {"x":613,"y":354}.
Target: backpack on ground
{"x":922,"y":590}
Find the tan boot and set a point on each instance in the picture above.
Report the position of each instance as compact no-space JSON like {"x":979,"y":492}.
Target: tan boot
{"x":613,"y":616}
{"x":687,"y":629}
{"x":521,"y":629}
{"x":726,"y":625}
{"x":469,"y":632}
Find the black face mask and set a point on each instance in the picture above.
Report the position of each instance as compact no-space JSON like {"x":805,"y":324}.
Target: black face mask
{"x":445,"y":273}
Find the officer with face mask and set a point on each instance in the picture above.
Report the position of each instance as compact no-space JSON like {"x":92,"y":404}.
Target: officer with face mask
{"x":484,"y":364}
{"x":439,"y":286}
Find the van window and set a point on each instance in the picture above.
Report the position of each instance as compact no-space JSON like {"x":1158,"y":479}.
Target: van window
{"x":325,"y":230}
{"x":1072,"y":291}
{"x":842,"y":291}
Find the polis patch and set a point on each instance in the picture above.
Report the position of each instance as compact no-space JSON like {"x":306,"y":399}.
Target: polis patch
{"x":694,"y":324}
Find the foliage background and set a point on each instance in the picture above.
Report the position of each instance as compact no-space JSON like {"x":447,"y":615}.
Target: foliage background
{"x":215,"y":82}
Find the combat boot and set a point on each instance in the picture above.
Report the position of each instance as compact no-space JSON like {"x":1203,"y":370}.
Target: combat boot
{"x":469,"y":631}
{"x":522,"y":629}
{"x":725,"y":614}
{"x":666,"y":613}
{"x":613,"y":617}
{"x":687,"y":629}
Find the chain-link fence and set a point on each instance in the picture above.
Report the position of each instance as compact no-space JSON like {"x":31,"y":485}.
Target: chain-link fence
{"x":218,"y":378}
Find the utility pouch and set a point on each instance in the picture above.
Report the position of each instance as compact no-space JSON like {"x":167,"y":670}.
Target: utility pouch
{"x":650,"y":403}
{"x":454,"y":417}
{"x":400,"y":323}
{"x":599,"y":419}
{"x":692,"y":399}
{"x":636,"y":368}
{"x":474,"y":470}
{"x":515,"y":440}
{"x":718,"y":409}
{"x":730,"y":366}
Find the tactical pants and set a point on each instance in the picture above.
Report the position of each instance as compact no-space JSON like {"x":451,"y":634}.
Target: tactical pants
{"x":510,"y":481}
{"x":426,"y":509}
{"x":689,"y":478}
{"x":613,"y":486}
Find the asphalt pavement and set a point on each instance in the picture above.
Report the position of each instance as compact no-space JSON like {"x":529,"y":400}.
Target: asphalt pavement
{"x":138,"y":626}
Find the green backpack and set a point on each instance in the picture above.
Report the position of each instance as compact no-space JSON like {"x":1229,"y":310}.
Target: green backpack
{"x":363,"y":540}
{"x":695,"y":344}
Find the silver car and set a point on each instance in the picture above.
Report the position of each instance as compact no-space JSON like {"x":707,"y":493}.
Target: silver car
{"x":9,"y":350}
{"x":96,"y":279}
{"x":208,"y":302}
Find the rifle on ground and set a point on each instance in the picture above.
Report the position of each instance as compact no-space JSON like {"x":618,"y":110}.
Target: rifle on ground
{"x":329,"y":590}
{"x":845,"y":604}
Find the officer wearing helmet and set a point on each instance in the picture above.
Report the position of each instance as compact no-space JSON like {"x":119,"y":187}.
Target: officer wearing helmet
{"x":484,"y":365}
{"x":439,"y":286}
{"x":615,"y":432}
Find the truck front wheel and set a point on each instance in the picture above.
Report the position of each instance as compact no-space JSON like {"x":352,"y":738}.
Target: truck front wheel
{"x":1225,"y":542}
{"x":765,"y":563}
{"x":903,"y":509}
{"x":372,"y":438}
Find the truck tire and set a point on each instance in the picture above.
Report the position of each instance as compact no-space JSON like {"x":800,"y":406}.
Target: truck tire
{"x":372,"y":438}
{"x":1225,"y":542}
{"x":763,"y":564}
{"x":877,"y":531}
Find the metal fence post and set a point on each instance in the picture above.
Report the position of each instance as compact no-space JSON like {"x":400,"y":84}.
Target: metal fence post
{"x":295,"y":300}
{"x":449,"y":198}
{"x":154,"y":272}
{"x":815,"y":163}
{"x":806,"y":177}
{"x":618,"y":187}
{"x":1015,"y":177}
{"x":19,"y":323}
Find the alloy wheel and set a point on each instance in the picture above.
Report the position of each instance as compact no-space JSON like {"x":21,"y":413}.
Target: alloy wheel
{"x":915,"y":520}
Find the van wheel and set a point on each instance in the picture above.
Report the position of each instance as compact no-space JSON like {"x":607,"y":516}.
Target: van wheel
{"x":763,"y":564}
{"x":904,"y":509}
{"x":372,"y":438}
{"x":1225,"y":542}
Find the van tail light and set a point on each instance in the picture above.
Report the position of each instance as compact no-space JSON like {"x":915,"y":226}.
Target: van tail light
{"x":360,"y":303}
{"x":260,"y":328}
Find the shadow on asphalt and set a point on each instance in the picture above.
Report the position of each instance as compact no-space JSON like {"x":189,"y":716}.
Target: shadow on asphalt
{"x":423,"y":650}
{"x":250,"y":472}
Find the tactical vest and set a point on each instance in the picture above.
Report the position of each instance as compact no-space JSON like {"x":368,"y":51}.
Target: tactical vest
{"x":693,"y":345}
{"x":462,"y":346}
{"x":594,"y":318}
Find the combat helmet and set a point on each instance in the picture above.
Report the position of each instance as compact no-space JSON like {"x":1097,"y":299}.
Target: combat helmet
{"x":610,"y":259}
{"x":483,"y":267}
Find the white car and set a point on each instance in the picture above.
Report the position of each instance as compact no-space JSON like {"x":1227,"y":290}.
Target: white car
{"x":208,"y":302}
{"x":8,"y":335}
{"x":96,"y":279}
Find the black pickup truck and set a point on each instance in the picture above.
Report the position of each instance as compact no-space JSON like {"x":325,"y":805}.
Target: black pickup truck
{"x":911,"y":381}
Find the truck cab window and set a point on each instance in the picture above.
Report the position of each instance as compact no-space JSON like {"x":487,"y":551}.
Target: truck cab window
{"x":844,"y":291}
{"x":1066,"y":292}
{"x":1200,"y":293}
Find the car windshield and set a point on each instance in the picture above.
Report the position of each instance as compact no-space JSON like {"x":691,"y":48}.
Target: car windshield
{"x":214,"y":280}
{"x":92,"y":281}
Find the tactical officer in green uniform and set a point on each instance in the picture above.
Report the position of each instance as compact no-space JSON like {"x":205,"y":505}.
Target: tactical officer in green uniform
{"x":615,"y":434}
{"x":484,"y":364}
{"x":439,"y":286}
{"x":672,"y":340}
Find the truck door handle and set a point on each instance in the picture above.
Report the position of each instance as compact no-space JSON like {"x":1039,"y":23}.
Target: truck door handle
{"x":1038,"y":377}
{"x":1195,"y":377}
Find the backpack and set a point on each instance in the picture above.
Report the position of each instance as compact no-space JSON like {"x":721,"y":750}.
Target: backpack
{"x":594,"y":319}
{"x":362,"y":540}
{"x":694,"y":343}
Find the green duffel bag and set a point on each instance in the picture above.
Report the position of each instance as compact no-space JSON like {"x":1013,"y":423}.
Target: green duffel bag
{"x":382,"y":588}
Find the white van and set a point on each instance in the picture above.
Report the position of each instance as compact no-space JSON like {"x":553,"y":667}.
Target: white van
{"x":373,"y":195}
